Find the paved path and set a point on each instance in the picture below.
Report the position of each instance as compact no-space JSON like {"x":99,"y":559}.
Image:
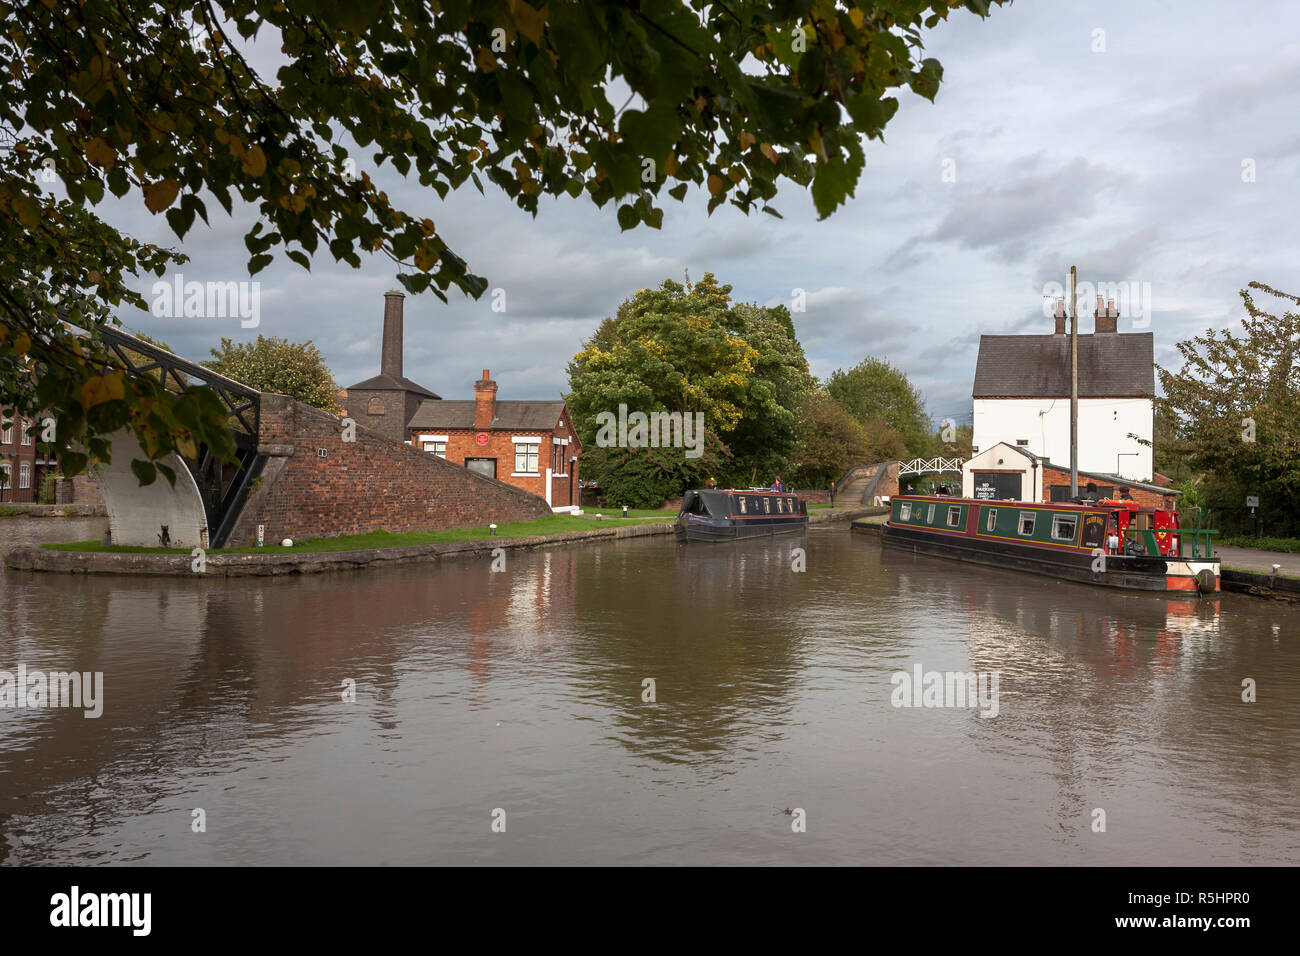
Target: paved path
{"x":1250,"y":559}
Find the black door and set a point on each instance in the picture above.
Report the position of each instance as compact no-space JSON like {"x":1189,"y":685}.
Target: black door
{"x":990,"y":485}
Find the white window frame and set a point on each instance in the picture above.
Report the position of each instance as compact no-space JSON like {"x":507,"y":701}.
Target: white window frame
{"x":954,"y":516}
{"x":1033,"y":524}
{"x":1073,"y":520}
{"x":905,"y":511}
{"x":22,"y":430}
{"x":434,"y":440}
{"x":8,"y":483}
{"x":536,"y":442}
{"x":24,"y":475}
{"x":7,"y":432}
{"x":991,"y":524}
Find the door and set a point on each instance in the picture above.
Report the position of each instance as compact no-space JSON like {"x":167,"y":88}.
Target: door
{"x":483,"y":466}
{"x":991,"y":485}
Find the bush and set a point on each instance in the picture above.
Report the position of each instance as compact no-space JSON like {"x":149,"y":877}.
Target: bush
{"x":46,"y":494}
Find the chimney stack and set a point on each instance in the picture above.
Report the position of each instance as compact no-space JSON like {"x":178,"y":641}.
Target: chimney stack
{"x":1060,"y":316}
{"x":390,"y":359}
{"x":485,"y":402}
{"x":1106,"y":317}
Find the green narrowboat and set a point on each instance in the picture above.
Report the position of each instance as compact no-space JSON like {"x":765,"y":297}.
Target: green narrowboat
{"x":1115,"y":543}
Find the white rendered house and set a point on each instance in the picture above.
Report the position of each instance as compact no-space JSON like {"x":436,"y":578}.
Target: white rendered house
{"x":1022,"y":396}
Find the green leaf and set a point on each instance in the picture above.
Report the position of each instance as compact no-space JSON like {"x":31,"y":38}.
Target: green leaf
{"x":145,"y":472}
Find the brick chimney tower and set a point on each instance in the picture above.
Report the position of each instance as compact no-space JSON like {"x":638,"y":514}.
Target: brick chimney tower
{"x":485,"y":402}
{"x":390,"y":360}
{"x":1106,"y":317}
{"x":1060,"y":316}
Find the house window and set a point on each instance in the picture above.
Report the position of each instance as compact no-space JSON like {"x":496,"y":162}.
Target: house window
{"x":1027,"y":519}
{"x":905,"y":511}
{"x":1064,"y":526}
{"x":376,"y":406}
{"x":7,"y":433}
{"x":22,"y":430}
{"x":438,"y":448}
{"x":6,"y":476}
{"x":954,"y":515}
{"x":24,"y":475}
{"x":992,"y":522}
{"x":526,"y":458}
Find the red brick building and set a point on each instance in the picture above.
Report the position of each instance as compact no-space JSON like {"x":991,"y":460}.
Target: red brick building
{"x":529,"y":444}
{"x":22,"y":465}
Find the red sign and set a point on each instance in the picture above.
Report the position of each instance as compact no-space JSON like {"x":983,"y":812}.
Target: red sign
{"x":482,"y":438}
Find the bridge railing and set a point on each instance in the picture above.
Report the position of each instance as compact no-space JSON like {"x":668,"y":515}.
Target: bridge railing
{"x":141,"y":358}
{"x":932,"y":466}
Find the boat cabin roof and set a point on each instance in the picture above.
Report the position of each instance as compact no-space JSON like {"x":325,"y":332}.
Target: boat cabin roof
{"x":1105,"y":504}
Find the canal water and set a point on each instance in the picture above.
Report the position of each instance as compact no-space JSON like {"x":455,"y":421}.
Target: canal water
{"x":521,"y":698}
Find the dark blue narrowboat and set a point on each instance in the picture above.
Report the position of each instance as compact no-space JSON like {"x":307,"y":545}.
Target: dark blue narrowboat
{"x":716,"y":515}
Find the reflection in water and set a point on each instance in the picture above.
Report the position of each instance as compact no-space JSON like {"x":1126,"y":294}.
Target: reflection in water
{"x":523,"y":690}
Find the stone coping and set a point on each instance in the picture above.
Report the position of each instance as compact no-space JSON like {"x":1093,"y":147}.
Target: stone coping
{"x":276,"y":560}
{"x":71,"y":510}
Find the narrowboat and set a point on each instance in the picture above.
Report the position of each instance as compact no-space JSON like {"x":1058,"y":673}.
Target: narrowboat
{"x":716,"y":515}
{"x":1112,"y":542}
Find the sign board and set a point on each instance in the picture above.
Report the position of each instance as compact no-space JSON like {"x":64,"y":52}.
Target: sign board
{"x":482,"y":438}
{"x":985,"y":491}
{"x":1252,"y":501}
{"x":261,"y":534}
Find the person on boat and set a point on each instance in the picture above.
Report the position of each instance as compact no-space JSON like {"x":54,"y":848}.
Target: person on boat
{"x":776,"y":485}
{"x":1124,"y":495}
{"x":1091,"y":491}
{"x":909,"y":489}
{"x":710,"y":483}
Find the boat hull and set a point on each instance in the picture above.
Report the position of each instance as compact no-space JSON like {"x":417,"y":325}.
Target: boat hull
{"x":689,"y":530}
{"x":1141,"y":573}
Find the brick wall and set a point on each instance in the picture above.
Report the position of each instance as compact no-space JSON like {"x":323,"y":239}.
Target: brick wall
{"x":358,"y":487}
{"x":398,"y":407}
{"x":1054,"y":477}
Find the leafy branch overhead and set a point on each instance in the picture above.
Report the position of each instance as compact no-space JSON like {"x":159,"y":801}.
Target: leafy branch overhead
{"x":161,"y":102}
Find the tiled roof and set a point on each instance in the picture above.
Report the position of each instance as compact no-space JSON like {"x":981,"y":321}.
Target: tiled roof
{"x":386,"y":383}
{"x":1111,"y":365}
{"x":511,"y":415}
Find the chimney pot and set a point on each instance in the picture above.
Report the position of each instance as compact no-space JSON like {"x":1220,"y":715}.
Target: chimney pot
{"x":1060,"y":316}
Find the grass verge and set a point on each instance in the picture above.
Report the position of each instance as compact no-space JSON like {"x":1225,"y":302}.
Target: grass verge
{"x":555,"y":524}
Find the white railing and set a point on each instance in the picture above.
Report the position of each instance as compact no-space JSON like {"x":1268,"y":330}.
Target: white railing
{"x":931,"y":466}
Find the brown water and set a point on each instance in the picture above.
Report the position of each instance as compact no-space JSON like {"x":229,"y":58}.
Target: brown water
{"x":522,"y":691}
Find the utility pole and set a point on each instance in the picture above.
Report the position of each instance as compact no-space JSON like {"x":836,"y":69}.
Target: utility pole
{"x":1074,"y":382}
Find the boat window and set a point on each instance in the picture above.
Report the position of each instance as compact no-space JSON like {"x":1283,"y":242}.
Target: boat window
{"x":767,"y":506}
{"x":954,"y":516}
{"x":1064,"y":526}
{"x":1027,"y":519}
{"x":741,"y":499}
{"x":993,"y":519}
{"x":905,"y":511}
{"x":930,"y":520}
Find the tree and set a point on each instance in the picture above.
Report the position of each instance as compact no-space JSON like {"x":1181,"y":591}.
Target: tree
{"x":691,"y":351}
{"x":1233,"y":411}
{"x":831,"y":441}
{"x":158,"y":101}
{"x":280,"y":366}
{"x":875,"y":389}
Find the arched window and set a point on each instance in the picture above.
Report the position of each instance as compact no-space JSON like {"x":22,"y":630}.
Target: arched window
{"x":375,"y":406}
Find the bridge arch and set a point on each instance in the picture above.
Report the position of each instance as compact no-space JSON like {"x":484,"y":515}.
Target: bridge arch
{"x":137,"y":514}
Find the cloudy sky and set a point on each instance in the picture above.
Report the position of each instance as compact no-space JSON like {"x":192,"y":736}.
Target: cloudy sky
{"x":1110,"y":135}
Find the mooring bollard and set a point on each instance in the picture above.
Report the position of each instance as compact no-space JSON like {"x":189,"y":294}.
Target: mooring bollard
{"x":1273,"y":578}
{"x":625,"y":511}
{"x":492,"y":531}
